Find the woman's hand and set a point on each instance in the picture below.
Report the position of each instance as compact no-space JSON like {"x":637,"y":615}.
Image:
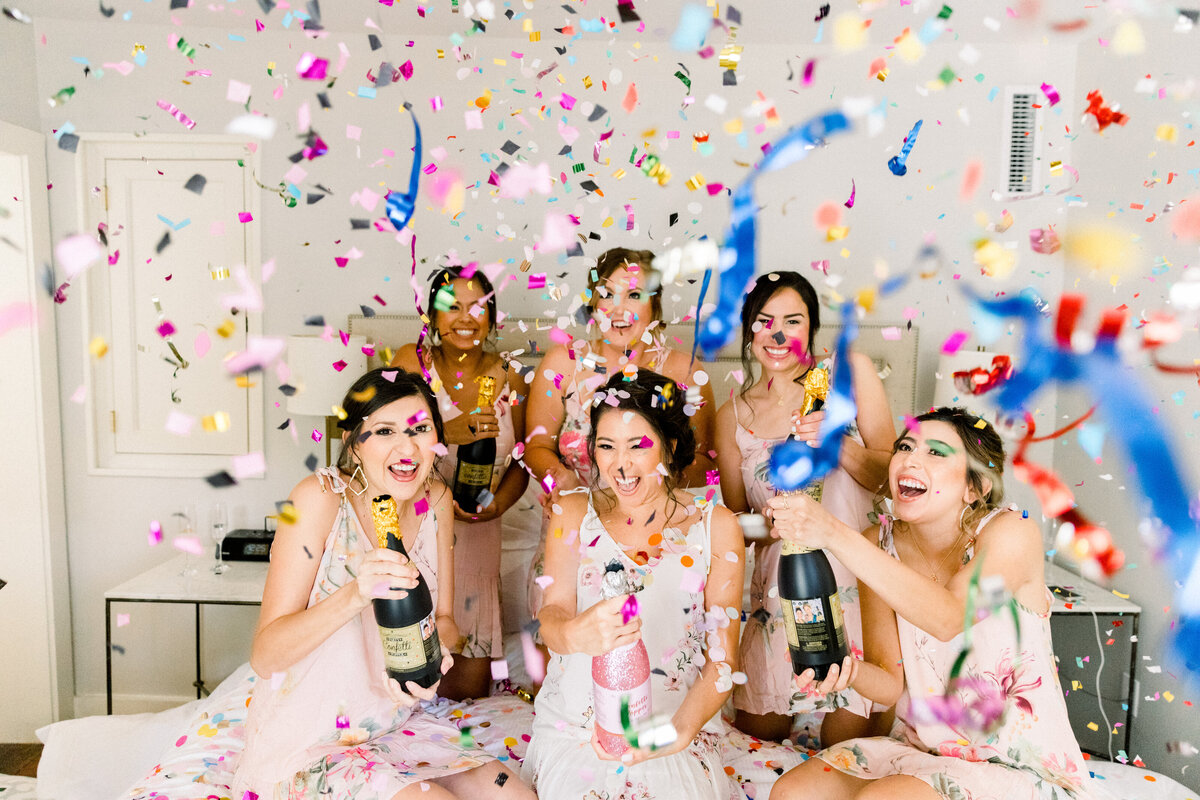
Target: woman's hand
{"x":411,"y":694}
{"x":806,"y":427}
{"x":467,"y":428}
{"x":600,"y":630}
{"x":491,"y":511}
{"x":796,"y":517}
{"x":636,"y":755}
{"x":836,"y":679}
{"x":384,"y":573}
{"x":564,"y":479}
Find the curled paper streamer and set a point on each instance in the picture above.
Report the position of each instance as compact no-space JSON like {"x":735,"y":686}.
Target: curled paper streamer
{"x":174,"y":111}
{"x":1044,"y":240}
{"x":1125,"y":407}
{"x":795,"y":464}
{"x":898,"y":164}
{"x":737,"y":256}
{"x":1102,"y":115}
{"x":400,"y":206}
{"x":979,"y":380}
{"x":850,"y":202}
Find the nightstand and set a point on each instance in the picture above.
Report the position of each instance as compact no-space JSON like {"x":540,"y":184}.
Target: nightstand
{"x":1095,"y":636}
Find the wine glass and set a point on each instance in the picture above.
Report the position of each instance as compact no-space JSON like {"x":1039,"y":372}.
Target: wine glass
{"x":185,"y":529}
{"x":219,"y":517}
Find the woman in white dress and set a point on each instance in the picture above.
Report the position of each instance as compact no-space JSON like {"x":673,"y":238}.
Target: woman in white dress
{"x":684,"y":561}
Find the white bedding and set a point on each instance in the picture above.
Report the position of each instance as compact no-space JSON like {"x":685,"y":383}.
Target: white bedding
{"x":185,"y":753}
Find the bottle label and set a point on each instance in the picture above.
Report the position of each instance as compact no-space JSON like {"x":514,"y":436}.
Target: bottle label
{"x":607,"y":705}
{"x":410,"y":647}
{"x":474,"y":474}
{"x":807,"y":627}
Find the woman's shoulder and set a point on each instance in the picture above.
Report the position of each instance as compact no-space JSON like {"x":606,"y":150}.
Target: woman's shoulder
{"x":315,"y":500}
{"x":559,"y":357}
{"x":574,"y":505}
{"x":1013,"y":527}
{"x":681,"y":367}
{"x":409,"y":357}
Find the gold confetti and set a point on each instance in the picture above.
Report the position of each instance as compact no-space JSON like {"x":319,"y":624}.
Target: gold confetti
{"x":216,"y":423}
{"x":731,"y":54}
{"x":881,"y":76}
{"x":695,"y":182}
{"x":1166,"y":132}
{"x":620,"y":173}
{"x":836,"y":232}
{"x":1056,"y":168}
{"x":536,"y":36}
{"x":866,"y":299}
{"x":607,"y":223}
{"x":98,"y":347}
{"x":364,"y":396}
{"x":340,"y":412}
{"x":733,"y":126}
{"x":288,"y":514}
{"x":243,"y":382}
{"x":226,"y":329}
{"x":218,"y":273}
{"x":587,"y":81}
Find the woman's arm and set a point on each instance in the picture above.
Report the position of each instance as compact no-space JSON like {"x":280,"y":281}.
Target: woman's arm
{"x":881,"y":674}
{"x":729,"y":461}
{"x":867,"y":463}
{"x":1009,"y":547}
{"x":516,"y":478}
{"x":442,"y":507}
{"x":726,"y":573}
{"x":288,"y":630}
{"x":544,"y":416}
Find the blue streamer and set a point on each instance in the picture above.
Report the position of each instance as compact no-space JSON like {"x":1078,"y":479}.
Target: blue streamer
{"x":400,"y":206}
{"x":1127,"y":410}
{"x":737,"y":261}
{"x":899,"y":164}
{"x":795,"y":464}
{"x":699,"y":305}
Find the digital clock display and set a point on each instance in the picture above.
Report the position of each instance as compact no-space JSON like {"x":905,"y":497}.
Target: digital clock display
{"x":256,"y":548}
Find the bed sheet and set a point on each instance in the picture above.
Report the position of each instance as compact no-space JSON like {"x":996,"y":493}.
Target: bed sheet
{"x":188,"y":753}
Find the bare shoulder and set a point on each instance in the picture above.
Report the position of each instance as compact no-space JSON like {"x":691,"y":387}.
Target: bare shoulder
{"x":725,"y":519}
{"x":408,"y":357}
{"x":726,"y":414}
{"x":680,"y":367}
{"x":316,"y":506}
{"x":1014,"y":531}
{"x":573,"y":505}
{"x":861,"y":365}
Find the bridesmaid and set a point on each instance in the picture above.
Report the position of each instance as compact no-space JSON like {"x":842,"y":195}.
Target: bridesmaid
{"x":780,"y":320}
{"x":462,"y":318}
{"x":1000,"y":731}
{"x":324,"y":718}
{"x":624,"y":331}
{"x":682,"y":560}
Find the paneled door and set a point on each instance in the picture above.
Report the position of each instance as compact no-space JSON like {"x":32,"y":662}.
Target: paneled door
{"x":179,"y":218}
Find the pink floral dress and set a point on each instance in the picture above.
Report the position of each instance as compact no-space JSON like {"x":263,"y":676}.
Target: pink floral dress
{"x":560,"y":763}
{"x":1031,"y":753}
{"x":764,"y":649}
{"x":326,"y":726}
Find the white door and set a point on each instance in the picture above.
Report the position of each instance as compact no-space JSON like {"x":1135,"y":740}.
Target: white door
{"x":35,"y":625}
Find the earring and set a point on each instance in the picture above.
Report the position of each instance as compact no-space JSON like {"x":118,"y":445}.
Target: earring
{"x":362,"y":476}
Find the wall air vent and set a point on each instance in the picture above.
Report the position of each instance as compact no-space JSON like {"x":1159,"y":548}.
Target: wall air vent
{"x":1022,"y":143}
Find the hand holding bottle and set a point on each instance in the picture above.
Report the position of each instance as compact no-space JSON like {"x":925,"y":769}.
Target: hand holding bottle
{"x":807,"y":427}
{"x":839,"y":678}
{"x":796,"y":517}
{"x":384,"y":573}
{"x":600,"y":629}
{"x":410,"y":694}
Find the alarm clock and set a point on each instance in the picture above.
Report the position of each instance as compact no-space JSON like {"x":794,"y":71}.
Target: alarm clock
{"x":245,"y":544}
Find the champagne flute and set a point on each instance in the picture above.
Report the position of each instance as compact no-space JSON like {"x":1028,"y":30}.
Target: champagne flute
{"x":220,"y":526}
{"x":185,"y":528}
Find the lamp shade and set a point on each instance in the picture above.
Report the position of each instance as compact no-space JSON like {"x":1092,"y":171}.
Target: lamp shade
{"x":319,"y":384}
{"x":945,"y":393}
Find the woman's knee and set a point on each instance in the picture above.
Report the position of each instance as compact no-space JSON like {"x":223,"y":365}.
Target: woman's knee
{"x":815,"y":780}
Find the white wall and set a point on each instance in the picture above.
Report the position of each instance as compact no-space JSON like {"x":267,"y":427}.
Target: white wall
{"x":1120,"y":167}
{"x":891,"y":219}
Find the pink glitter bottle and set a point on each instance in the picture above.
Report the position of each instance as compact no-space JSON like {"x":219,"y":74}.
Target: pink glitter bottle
{"x":623,"y":672}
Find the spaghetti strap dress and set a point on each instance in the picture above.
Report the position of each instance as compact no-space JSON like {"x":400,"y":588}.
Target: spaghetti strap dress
{"x":764,"y":649}
{"x":325,"y":727}
{"x":560,"y":762}
{"x":477,"y":544}
{"x":1031,"y":755}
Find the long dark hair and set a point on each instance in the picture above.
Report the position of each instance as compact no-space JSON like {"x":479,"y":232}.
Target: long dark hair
{"x":766,"y":287}
{"x":373,"y":391}
{"x":659,"y":400}
{"x":444,"y":277}
{"x":613,"y":259}
{"x":985,"y":458}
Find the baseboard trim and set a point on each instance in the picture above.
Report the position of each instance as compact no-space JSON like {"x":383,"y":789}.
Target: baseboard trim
{"x":87,"y":705}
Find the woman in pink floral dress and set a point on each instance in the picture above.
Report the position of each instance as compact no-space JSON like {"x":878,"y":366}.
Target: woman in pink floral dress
{"x":986,"y":725}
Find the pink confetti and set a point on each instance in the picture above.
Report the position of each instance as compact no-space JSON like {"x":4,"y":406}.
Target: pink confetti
{"x":499,"y":670}
{"x":390,"y":375}
{"x":317,"y":436}
{"x":692,"y":582}
{"x":179,"y":423}
{"x":174,"y":111}
{"x":188,"y":544}
{"x":16,"y":315}
{"x":122,"y":620}
{"x":850,"y":203}
{"x":891,"y":334}
{"x":535,"y":665}
{"x":421,"y":507}
{"x":1051,"y":94}
{"x":631,"y":98}
{"x":435,"y":102}
{"x":954,"y":341}
{"x":406,"y":70}
{"x":809,"y":68}
{"x":166,"y":329}
{"x":156,"y":535}
{"x":628,"y":217}
{"x":567,"y":101}
{"x":339,"y":365}
{"x":245,"y":216}
{"x":249,"y":465}
{"x":646,"y":443}
{"x":312,"y":68}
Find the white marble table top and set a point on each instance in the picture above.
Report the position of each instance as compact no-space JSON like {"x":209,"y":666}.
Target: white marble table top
{"x":242,"y":583}
{"x":1094,"y":597}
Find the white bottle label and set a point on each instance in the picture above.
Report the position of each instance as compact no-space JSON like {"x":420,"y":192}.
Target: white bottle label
{"x":607,"y":705}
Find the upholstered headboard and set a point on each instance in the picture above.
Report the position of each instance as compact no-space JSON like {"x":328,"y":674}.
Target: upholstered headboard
{"x":895,"y":360}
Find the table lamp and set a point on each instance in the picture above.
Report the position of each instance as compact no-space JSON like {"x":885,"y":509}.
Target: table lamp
{"x":320,"y":387}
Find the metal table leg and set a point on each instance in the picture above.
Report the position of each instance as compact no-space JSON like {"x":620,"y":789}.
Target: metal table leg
{"x":108,"y":651}
{"x":1131,"y":693}
{"x":199,"y":684}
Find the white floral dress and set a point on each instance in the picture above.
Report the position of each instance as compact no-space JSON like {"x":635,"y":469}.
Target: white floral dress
{"x":560,"y":762}
{"x":1030,"y":755}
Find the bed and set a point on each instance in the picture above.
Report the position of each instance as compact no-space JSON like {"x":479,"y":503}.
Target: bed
{"x":188,"y":752}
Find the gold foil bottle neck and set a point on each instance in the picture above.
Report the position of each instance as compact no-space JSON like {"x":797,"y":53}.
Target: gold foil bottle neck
{"x":487,"y":391}
{"x":793,"y":549}
{"x":386,"y":517}
{"x":816,"y":387}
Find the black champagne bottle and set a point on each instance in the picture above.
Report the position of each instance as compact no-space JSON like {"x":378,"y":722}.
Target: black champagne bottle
{"x":808,"y":591}
{"x":477,"y":460}
{"x":407,"y":625}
